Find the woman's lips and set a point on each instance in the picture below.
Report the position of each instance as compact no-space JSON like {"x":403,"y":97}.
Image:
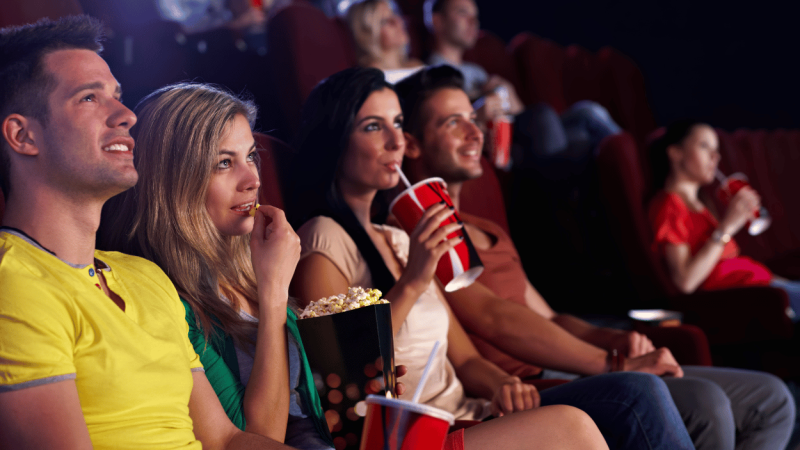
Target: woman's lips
{"x":244,"y":208}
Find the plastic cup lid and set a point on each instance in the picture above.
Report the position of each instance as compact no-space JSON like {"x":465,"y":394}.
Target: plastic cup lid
{"x":413,"y":187}
{"x":419,"y":408}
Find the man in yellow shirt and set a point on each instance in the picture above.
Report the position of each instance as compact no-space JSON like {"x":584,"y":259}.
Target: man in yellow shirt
{"x":93,"y":345}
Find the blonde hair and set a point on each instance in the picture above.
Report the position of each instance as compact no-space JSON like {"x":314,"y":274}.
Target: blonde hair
{"x":365,"y":28}
{"x":164,"y":217}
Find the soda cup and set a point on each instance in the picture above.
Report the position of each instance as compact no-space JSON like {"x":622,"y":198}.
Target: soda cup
{"x":499,"y":133}
{"x":729,"y":187}
{"x":460,"y":266}
{"x":402,"y":425}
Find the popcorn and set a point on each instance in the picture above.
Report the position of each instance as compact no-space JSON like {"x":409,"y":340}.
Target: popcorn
{"x":253,"y":210}
{"x":356,"y":298}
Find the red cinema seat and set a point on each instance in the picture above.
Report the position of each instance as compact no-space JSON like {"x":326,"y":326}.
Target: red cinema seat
{"x":275,"y":159}
{"x":20,"y":12}
{"x":540,"y":64}
{"x":490,"y":53}
{"x":483,"y":197}
{"x":731,"y":316}
{"x":626,"y":99}
{"x":305,"y":47}
{"x":581,"y":76}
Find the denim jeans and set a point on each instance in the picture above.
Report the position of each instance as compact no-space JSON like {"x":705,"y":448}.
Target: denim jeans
{"x":539,"y":132}
{"x":632,"y":410}
{"x":727,"y":409}
{"x":792,"y":289}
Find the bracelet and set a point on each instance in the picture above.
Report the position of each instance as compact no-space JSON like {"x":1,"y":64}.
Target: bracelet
{"x":720,"y":237}
{"x":615,"y":362}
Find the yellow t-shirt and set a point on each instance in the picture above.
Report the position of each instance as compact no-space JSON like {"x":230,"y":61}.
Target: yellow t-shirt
{"x":132,"y":368}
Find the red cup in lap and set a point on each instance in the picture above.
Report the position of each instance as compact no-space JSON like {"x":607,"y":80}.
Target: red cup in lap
{"x":458,"y":267}
{"x":402,"y":425}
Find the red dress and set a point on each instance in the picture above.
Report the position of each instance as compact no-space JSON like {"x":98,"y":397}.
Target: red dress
{"x":674,"y":223}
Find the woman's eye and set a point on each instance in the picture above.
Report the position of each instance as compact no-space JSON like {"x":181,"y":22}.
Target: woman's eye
{"x":252,"y":157}
{"x":374,"y":126}
{"x":398,"y":124}
{"x":224,"y":164}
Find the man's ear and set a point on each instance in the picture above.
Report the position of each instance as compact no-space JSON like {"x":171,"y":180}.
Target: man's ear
{"x":436,"y":23}
{"x":413,"y":150}
{"x":21,"y":133}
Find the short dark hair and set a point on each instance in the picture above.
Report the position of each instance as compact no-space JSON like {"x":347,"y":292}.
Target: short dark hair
{"x":415,"y":89}
{"x":24,"y":84}
{"x":430,"y":7}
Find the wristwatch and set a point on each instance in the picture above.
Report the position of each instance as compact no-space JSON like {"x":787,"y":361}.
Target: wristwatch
{"x":719,"y":237}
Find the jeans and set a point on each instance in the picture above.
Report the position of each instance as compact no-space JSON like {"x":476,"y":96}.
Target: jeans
{"x":540,"y":133}
{"x":726,"y":409}
{"x":632,"y":410}
{"x":792,"y":289}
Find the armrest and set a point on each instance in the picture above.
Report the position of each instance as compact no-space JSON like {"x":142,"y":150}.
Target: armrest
{"x":687,"y":343}
{"x":741,"y":315}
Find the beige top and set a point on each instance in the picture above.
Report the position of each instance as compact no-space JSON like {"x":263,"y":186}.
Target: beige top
{"x":427,"y":322}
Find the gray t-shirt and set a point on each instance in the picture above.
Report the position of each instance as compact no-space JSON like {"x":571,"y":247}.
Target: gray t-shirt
{"x":474,"y":75}
{"x":300,"y":430}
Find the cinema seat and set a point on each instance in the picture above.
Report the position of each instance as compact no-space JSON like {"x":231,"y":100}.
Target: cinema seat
{"x":731,"y":316}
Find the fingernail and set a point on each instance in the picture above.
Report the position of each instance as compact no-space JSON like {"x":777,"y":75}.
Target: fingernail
{"x":452,"y":208}
{"x":460,"y":222}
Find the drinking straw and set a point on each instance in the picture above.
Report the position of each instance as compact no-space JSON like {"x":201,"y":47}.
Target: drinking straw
{"x":720,"y":177}
{"x":402,"y":176}
{"x":424,"y":377}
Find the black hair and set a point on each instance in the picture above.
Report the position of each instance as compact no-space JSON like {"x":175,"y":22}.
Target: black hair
{"x":415,"y":89}
{"x":429,"y":8}
{"x":674,"y":134}
{"x":24,"y":84}
{"x":327,"y":122}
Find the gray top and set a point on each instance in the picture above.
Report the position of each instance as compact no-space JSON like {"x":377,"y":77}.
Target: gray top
{"x":300,"y":430}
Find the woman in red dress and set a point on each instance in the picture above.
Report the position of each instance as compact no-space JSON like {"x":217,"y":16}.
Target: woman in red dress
{"x":698,"y":248}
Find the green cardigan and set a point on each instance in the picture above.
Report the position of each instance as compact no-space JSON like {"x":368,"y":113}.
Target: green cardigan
{"x":221,"y":365}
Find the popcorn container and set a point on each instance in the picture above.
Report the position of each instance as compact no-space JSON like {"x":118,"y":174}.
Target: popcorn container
{"x":402,"y":425}
{"x":351,"y":355}
{"x":499,"y":134}
{"x":460,"y":266}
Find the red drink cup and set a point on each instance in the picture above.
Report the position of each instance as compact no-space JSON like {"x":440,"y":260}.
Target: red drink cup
{"x":402,"y":425}
{"x":460,"y":266}
{"x":500,"y":132}
{"x":728,"y":188}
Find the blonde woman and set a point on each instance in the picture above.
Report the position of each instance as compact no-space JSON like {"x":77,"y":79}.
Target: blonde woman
{"x":381,"y":38}
{"x":189,"y":213}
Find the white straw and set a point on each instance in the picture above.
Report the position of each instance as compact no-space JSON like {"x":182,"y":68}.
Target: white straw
{"x":402,"y":176}
{"x":720,"y":176}
{"x":425,"y":373}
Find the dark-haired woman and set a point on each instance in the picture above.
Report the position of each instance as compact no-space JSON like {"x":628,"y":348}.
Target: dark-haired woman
{"x":350,"y":141}
{"x":699,"y":249}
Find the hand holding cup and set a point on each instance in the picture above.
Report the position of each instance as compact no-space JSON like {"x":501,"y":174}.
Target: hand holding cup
{"x":743,"y":207}
{"x":428,"y":244}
